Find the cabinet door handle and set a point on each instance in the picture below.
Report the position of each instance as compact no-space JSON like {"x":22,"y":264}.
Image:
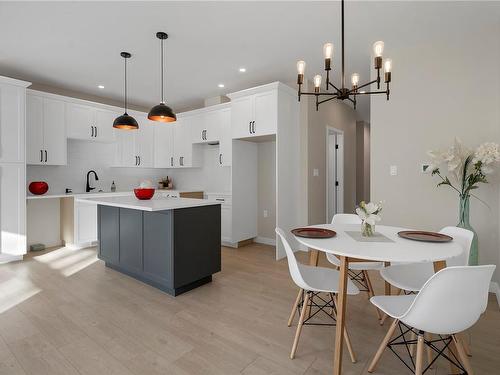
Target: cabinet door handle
{"x":171,"y":161}
{"x":91,"y":131}
{"x":41,"y":156}
{"x":46,"y":156}
{"x":250,"y":127}
{"x":253,"y":127}
{"x":96,"y":131}
{"x":220,"y":159}
{"x":139,"y":160}
{"x":220,"y":199}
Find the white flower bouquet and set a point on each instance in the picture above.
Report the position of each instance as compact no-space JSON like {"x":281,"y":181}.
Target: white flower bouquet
{"x":369,"y":215}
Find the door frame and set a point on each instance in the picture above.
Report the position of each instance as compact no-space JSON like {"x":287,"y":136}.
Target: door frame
{"x":339,"y":138}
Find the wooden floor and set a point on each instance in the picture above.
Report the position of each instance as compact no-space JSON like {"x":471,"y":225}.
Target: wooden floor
{"x":63,"y":312}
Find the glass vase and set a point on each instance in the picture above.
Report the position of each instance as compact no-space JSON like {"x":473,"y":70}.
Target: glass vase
{"x":367,"y":230}
{"x":464,"y":222}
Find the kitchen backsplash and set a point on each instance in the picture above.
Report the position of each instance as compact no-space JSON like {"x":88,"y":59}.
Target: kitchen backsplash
{"x":84,"y":156}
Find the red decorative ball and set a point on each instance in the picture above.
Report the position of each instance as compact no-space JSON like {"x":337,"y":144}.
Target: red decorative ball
{"x":144,"y":193}
{"x":38,"y":187}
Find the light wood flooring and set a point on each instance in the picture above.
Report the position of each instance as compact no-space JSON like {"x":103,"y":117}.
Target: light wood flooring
{"x":64,"y":312}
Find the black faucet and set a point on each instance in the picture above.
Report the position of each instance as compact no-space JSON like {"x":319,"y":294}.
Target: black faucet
{"x":88,"y":188}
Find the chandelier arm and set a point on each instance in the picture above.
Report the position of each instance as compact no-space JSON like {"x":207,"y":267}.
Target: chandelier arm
{"x":371,"y":92}
{"x":326,"y":100}
{"x":320,"y":93}
{"x":360,"y":87}
{"x":352,"y":101}
{"x":335,"y":87}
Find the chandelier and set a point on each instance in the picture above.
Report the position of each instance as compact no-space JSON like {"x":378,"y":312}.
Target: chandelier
{"x":344,"y":93}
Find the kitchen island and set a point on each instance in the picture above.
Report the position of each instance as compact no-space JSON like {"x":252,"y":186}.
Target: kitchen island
{"x":173,"y":244}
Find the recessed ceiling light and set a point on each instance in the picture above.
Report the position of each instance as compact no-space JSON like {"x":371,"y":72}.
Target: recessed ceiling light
{"x":220,"y":85}
{"x":243,"y":70}
{"x":100,"y":86}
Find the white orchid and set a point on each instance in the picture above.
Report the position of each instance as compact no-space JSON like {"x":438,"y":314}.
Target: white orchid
{"x":486,"y":153}
{"x":368,"y":212}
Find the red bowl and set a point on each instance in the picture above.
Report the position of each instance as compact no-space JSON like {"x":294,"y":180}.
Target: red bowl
{"x":144,"y":193}
{"x":38,"y":187}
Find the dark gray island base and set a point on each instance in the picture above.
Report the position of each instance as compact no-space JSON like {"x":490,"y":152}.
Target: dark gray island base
{"x":174,"y":250}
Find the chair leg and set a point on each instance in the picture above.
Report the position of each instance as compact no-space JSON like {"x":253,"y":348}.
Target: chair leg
{"x":370,"y":292}
{"x":462,"y":355}
{"x":294,"y":307}
{"x":419,"y":362}
{"x":428,"y":337}
{"x":299,"y":325}
{"x":413,"y":336}
{"x":465,"y":343}
{"x":383,"y":345}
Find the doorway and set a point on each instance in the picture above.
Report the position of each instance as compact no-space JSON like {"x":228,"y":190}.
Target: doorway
{"x":334,"y":172}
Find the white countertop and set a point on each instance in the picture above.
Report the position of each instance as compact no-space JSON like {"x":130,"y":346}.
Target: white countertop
{"x":155,"y":204}
{"x":81,"y":195}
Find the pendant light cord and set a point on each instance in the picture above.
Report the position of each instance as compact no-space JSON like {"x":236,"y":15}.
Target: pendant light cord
{"x":162,"y":67}
{"x":125,"y":85}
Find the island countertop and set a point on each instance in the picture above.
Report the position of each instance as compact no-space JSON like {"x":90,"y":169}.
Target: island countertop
{"x":154,"y":204}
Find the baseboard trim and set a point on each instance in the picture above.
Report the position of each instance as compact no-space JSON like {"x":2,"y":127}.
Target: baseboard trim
{"x":265,"y":240}
{"x":495,"y":288}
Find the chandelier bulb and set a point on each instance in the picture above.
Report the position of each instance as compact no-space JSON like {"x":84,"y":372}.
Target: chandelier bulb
{"x":317,"y":83}
{"x":355,"y":79}
{"x":301,"y":67}
{"x":388,"y":65}
{"x":328,"y":50}
{"x":378,"y":48}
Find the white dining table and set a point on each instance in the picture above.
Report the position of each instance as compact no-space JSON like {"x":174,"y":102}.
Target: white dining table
{"x":387,"y":246}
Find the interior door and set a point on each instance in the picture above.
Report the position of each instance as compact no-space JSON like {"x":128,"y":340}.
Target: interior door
{"x":34,"y":129}
{"x":241,"y":117}
{"x":265,"y":113}
{"x":54,"y":130}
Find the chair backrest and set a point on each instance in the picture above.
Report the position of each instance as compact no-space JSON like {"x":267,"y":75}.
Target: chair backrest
{"x":346,"y":219}
{"x":464,"y":238}
{"x":293,"y":265}
{"x":451,"y":301}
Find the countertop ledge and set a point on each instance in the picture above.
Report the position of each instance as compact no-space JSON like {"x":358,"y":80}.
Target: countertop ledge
{"x":155,"y":204}
{"x":81,"y":195}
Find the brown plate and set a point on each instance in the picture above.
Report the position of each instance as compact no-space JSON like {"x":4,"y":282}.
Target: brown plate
{"x":314,"y":232}
{"x":418,"y":235}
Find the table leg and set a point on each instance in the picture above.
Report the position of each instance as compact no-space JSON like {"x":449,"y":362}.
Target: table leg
{"x":341,"y":308}
{"x":313,"y":257}
{"x":387,"y":285}
{"x":452,"y":353}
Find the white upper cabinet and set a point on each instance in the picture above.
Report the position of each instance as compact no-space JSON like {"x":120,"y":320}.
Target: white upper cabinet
{"x":135,"y":148}
{"x":87,"y":122}
{"x":45,"y":130}
{"x":254,"y":112}
{"x":225,"y":139}
{"x":12,"y":119}
{"x":163,"y":145}
{"x":205,"y":126}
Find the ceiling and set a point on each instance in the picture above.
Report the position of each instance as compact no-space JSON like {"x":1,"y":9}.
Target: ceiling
{"x":76,"y":45}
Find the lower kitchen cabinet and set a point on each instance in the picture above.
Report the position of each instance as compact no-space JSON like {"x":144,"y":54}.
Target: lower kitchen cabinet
{"x":226,"y":216}
{"x":78,"y":222}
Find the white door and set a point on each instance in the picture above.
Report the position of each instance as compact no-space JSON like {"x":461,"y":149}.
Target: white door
{"x":104,"y":131}
{"x":226,"y":141}
{"x":80,"y":119}
{"x":145,"y":142}
{"x":163,"y":145}
{"x":126,"y":148}
{"x":86,"y":222}
{"x":34,"y":130}
{"x":265,"y":113}
{"x":12,"y":209}
{"x":12,"y":127}
{"x":54,"y":132}
{"x":242,"y":117}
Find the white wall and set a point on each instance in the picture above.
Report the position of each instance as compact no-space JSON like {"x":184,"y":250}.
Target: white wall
{"x":446,"y":83}
{"x":266,"y":196}
{"x":84,"y":156}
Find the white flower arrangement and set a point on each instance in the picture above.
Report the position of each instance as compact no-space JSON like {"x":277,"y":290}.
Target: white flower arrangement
{"x":369,"y":215}
{"x":468,"y":168}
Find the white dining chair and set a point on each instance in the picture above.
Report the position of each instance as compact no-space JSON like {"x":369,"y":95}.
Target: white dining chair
{"x":411,"y":277}
{"x":314,"y":280}
{"x":358,"y":271}
{"x":451,"y":301}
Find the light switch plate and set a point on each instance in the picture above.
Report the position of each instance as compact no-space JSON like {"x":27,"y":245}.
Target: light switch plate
{"x":315,"y":172}
{"x":266,"y":214}
{"x":393,"y":170}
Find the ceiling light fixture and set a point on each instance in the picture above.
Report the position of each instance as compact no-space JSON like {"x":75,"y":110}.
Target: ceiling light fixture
{"x":125,"y":121}
{"x":100,"y":86}
{"x":344,"y":93}
{"x":220,"y":85}
{"x":243,"y":70}
{"x":162,"y":112}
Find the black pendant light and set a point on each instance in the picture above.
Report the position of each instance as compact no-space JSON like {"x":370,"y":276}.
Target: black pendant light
{"x":162,"y":112}
{"x":125,"y":121}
